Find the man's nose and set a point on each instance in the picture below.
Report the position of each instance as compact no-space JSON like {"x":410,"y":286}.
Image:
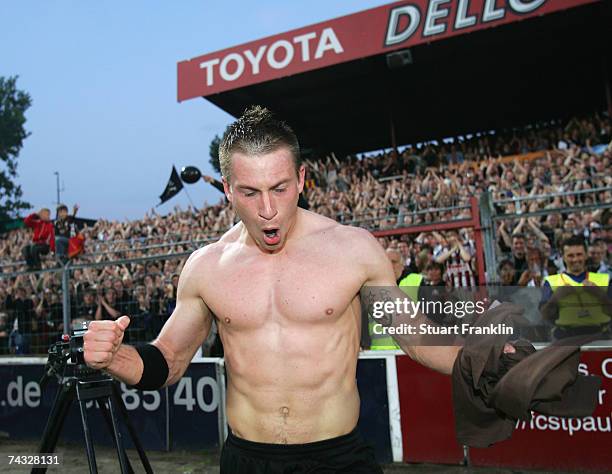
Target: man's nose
{"x":267,"y":207}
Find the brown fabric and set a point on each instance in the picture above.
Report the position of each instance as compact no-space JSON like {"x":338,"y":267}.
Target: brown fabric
{"x":548,"y":382}
{"x":491,"y":390}
{"x":474,"y":377}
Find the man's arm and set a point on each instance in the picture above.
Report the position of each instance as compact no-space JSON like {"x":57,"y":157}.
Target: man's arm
{"x":380,"y":287}
{"x":178,"y":340}
{"x":463,"y":253}
{"x":519,"y":228}
{"x":444,"y":255}
{"x":31,"y":220}
{"x":218,"y":185}
{"x":504,"y":235}
{"x":534,"y":226}
{"x":109,"y":309}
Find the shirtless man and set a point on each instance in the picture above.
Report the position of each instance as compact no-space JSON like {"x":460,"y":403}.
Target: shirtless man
{"x":284,"y":285}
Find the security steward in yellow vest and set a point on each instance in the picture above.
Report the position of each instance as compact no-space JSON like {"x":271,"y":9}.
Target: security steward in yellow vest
{"x":577,"y":301}
{"x":410,"y":285}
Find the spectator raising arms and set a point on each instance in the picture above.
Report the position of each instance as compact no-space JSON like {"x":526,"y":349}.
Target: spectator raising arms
{"x":561,"y":183}
{"x":62,"y":227}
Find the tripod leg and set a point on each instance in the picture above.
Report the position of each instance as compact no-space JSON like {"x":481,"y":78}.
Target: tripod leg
{"x":109,"y":424}
{"x":118,"y":443}
{"x":133,"y":434}
{"x":91,"y":455}
{"x":55,"y":422}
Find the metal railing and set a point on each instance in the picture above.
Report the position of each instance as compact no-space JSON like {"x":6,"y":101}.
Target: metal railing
{"x":188,"y":243}
{"x":360,"y":221}
{"x":132,"y":240}
{"x":536,"y":197}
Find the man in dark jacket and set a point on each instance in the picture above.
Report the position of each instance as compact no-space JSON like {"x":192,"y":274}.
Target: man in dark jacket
{"x":62,"y":229}
{"x":22,"y":309}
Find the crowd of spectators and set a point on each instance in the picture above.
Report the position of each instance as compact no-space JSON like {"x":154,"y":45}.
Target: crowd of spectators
{"x":428,"y":183}
{"x":32,"y":310}
{"x":395,"y":190}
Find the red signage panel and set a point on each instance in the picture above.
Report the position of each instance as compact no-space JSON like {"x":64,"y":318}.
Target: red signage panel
{"x":546,"y":442}
{"x":426,"y":410}
{"x":378,"y":30}
{"x":549,"y":442}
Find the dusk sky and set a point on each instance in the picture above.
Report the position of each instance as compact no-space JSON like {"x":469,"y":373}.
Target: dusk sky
{"x":102,"y":77}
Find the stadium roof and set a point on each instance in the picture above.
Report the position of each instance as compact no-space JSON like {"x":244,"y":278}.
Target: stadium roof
{"x":472,"y":66}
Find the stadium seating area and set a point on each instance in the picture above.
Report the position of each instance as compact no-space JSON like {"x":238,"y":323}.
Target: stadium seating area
{"x":566,"y":164}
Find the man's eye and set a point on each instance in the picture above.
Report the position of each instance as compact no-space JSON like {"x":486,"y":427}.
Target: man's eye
{"x":280,"y":190}
{"x":250,"y":194}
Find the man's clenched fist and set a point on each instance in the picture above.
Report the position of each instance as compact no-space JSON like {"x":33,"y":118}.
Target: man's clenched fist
{"x":102,"y":340}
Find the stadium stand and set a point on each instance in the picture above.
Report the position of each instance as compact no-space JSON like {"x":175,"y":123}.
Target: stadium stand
{"x":531,"y":170}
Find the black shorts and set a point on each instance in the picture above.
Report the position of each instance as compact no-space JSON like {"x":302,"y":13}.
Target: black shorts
{"x":348,"y":454}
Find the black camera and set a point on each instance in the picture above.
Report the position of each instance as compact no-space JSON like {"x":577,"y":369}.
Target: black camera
{"x":70,"y":347}
{"x":66,"y":357}
{"x":75,"y":345}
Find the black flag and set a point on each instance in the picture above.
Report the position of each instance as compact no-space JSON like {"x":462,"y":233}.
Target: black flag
{"x":172,"y":188}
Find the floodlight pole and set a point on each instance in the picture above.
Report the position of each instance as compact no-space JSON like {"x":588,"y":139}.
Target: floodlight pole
{"x":66,"y":299}
{"x":57,"y":186}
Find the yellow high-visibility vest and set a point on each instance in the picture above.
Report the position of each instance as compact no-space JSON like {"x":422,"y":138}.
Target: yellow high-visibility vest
{"x":580,"y":309}
{"x":380,"y":342}
{"x":410,"y":285}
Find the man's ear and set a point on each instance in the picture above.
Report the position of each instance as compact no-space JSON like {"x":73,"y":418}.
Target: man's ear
{"x":301,"y":175}
{"x":227,"y":189}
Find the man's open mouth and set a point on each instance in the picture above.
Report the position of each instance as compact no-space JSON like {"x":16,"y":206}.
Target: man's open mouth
{"x":271,"y":236}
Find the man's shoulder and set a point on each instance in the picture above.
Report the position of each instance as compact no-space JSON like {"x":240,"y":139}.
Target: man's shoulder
{"x":196,"y":271}
{"x":215,"y":248}
{"x":206,"y":255}
{"x":210,"y":254}
{"x":359,"y":243}
{"x":355,"y":235}
{"x":336,"y":233}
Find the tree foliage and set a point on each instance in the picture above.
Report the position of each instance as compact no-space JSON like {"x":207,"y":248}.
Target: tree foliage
{"x":214,"y":150}
{"x":13,"y":105}
{"x":214,"y":153}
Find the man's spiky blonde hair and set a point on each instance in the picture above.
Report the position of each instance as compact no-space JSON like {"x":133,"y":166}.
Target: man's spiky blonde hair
{"x":255,"y":133}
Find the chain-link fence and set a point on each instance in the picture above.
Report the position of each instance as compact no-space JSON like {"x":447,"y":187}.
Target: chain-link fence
{"x":37,"y":307}
{"x":529,"y":230}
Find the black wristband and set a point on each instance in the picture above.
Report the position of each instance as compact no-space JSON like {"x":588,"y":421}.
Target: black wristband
{"x":155,"y":368}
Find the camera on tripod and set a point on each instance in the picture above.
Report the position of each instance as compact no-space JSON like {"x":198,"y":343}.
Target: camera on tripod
{"x":67,"y":358}
{"x":80,"y":383}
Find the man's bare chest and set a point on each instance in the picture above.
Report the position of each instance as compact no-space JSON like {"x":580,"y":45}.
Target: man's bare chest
{"x":308,"y":289}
